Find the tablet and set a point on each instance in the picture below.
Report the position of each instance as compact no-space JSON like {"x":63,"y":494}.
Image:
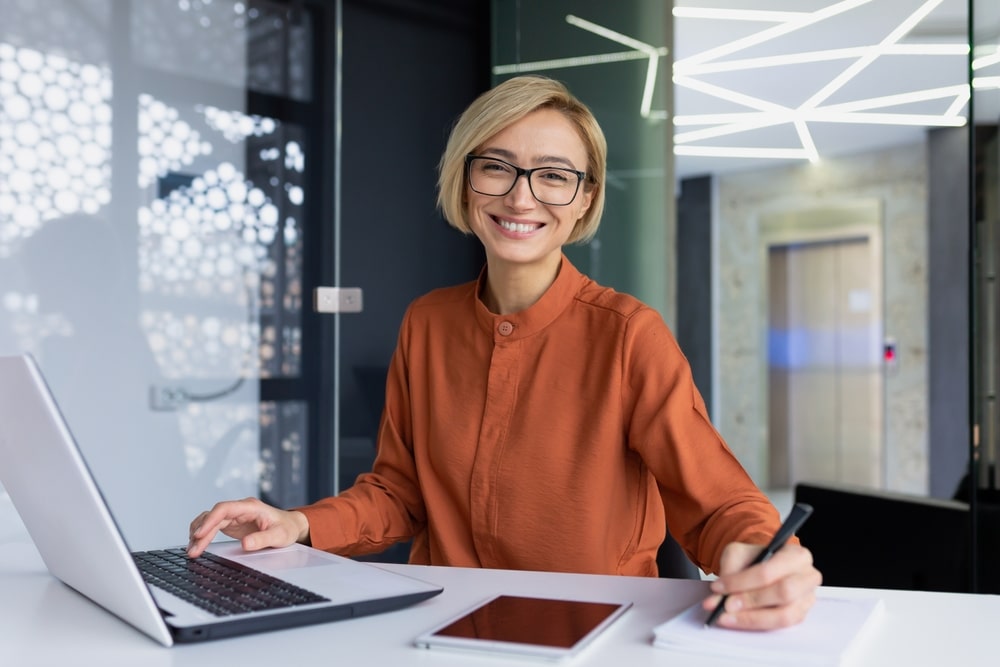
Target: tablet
{"x":529,"y":627}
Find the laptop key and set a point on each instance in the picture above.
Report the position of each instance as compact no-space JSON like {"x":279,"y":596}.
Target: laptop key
{"x":217,"y":585}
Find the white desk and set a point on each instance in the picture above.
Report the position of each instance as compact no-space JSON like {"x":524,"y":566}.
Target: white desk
{"x":42,"y":622}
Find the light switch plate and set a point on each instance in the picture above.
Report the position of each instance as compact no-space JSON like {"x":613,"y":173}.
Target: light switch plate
{"x":338,"y":300}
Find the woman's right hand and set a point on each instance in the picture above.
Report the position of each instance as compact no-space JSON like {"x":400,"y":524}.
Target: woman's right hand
{"x":256,"y":524}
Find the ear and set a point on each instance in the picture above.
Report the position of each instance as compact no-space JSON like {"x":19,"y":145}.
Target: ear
{"x":588,"y":197}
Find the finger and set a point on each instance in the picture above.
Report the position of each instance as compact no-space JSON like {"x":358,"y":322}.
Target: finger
{"x":272,"y":537}
{"x":785,"y":592}
{"x":789,"y":560}
{"x":765,"y":618}
{"x":231,"y":512}
{"x":207,"y":524}
{"x":195,"y":523}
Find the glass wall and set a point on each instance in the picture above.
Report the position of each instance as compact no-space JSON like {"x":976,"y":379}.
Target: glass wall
{"x":985,"y":166}
{"x":614,"y":56}
{"x":821,"y":166}
{"x":985,"y":73}
{"x":151,"y":222}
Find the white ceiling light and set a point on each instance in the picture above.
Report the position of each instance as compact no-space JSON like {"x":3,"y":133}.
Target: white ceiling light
{"x":771,"y":83}
{"x":897,"y":108}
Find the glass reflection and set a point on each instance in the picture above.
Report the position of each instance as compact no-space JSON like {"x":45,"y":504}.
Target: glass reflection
{"x":150,"y":235}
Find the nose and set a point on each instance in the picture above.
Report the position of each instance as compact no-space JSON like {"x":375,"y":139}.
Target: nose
{"x":520,"y":196}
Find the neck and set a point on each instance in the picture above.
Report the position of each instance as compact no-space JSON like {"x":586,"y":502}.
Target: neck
{"x":511,"y":288}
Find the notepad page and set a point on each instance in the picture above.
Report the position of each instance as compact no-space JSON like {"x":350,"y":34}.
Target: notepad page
{"x":825,"y":637}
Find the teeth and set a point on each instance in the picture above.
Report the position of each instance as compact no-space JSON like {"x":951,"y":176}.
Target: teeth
{"x":516,"y":227}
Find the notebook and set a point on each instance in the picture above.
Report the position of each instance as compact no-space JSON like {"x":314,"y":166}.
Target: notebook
{"x":831,"y":632}
{"x":44,"y":472}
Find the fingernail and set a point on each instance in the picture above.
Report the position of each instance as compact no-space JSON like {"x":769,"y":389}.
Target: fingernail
{"x":717,"y":587}
{"x":734,"y":604}
{"x":249,"y":543}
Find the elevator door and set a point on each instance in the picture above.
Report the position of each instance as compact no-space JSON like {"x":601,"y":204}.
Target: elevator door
{"x":825,"y":364}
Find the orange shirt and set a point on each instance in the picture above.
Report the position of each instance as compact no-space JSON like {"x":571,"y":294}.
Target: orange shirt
{"x":564,"y":437}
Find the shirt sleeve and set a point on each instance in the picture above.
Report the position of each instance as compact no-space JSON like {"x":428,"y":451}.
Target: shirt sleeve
{"x":708,"y":498}
{"x":384,"y":506}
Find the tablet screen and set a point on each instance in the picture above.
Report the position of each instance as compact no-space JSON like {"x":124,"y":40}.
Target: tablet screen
{"x":507,"y":622}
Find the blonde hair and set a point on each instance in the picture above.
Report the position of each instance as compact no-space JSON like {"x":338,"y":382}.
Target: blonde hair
{"x":501,"y":107}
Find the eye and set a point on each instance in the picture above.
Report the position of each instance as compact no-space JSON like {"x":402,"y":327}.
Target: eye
{"x":493,"y":167}
{"x":554,"y":176}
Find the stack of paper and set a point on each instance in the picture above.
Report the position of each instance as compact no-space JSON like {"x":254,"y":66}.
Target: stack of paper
{"x":826,"y":637}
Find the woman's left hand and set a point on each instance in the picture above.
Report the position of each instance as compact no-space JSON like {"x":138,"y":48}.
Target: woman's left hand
{"x":774,"y":594}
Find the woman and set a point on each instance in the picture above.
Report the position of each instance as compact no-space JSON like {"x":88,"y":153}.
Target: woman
{"x":534,"y":419}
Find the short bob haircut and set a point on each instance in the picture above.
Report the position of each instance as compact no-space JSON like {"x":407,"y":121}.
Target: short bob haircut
{"x":502,"y":106}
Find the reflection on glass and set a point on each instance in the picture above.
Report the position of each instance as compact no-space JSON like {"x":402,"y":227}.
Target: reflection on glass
{"x":257,"y":44}
{"x":55,"y":140}
{"x":283,"y":437}
{"x":613,"y":56}
{"x":787,"y":114}
{"x":150,"y":234}
{"x":831,"y":106}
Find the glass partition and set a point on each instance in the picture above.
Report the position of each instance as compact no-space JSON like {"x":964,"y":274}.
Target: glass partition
{"x":614,"y":56}
{"x":816,"y":256}
{"x":984,"y":72}
{"x":151,"y":240}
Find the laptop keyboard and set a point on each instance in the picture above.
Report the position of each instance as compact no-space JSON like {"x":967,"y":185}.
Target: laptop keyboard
{"x":217,"y":585}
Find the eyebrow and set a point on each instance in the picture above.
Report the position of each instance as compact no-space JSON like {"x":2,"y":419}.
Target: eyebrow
{"x":544,"y":159}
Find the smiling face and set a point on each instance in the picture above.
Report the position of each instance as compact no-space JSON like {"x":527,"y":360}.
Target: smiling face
{"x":516,"y":229}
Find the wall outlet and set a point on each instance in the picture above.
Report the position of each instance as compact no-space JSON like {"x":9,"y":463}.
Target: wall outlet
{"x":167,"y":399}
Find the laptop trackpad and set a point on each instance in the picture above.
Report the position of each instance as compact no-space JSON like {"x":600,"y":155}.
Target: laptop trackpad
{"x":284,"y":560}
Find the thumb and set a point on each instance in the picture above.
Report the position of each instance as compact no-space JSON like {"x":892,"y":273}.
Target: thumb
{"x":262,"y":539}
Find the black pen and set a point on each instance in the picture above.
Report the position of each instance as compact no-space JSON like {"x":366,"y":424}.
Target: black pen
{"x":795,"y":519}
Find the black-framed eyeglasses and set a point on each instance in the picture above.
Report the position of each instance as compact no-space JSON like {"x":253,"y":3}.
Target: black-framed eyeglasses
{"x":554,"y":186}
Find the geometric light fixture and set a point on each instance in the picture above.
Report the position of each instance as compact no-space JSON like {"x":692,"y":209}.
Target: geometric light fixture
{"x":728,"y":78}
{"x":847,"y":64}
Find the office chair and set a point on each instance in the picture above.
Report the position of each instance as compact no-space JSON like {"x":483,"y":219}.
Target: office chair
{"x":906,"y":542}
{"x":673,"y":563}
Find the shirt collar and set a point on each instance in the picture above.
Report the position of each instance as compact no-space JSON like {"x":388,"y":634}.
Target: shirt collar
{"x":539,"y":315}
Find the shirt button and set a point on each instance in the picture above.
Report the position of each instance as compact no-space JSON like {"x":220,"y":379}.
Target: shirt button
{"x":505,"y":328}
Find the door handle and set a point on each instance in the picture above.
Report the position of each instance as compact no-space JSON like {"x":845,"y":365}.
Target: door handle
{"x":338,"y":300}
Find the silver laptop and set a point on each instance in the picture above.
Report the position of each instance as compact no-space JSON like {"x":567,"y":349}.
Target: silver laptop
{"x":48,"y":480}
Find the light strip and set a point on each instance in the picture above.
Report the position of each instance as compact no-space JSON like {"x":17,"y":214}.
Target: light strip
{"x":901,"y":30}
{"x":645,"y":107}
{"x":726,"y":94}
{"x":762,"y":113}
{"x":761,"y":15}
{"x":742,"y":152}
{"x":756,"y":122}
{"x":807,"y":141}
{"x":821,"y":56}
{"x":578,"y":61}
{"x":900,"y":99}
{"x":930,"y":120}
{"x":773,"y":32}
{"x":986,"y":61}
{"x":612,"y":35}
{"x":800,"y":118}
{"x":749,"y":117}
{"x":960,"y":101}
